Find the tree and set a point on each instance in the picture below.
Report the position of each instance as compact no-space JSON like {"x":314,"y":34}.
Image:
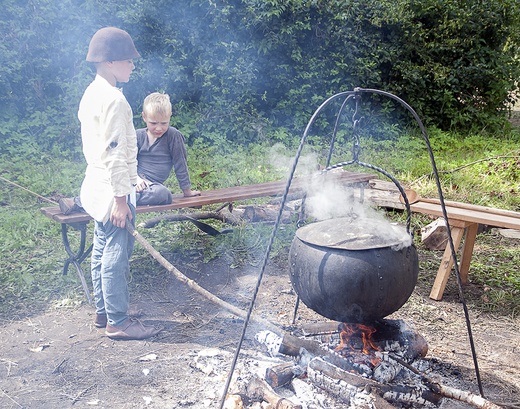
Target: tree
{"x":249,"y":70}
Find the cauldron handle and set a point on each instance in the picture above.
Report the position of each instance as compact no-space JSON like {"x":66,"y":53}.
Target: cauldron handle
{"x":388,"y":175}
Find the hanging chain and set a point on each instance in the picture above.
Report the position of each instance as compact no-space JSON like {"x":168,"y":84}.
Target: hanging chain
{"x":356,"y":122}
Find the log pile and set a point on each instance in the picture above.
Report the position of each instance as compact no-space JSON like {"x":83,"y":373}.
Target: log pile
{"x":392,"y":382}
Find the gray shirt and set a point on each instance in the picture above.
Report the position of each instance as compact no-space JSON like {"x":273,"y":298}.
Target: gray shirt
{"x":155,"y":162}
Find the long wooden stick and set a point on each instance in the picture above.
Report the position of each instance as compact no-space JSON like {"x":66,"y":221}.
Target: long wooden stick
{"x":193,"y":285}
{"x":448,"y":391}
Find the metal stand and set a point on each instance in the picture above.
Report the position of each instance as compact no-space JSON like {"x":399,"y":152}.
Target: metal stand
{"x":78,"y":257}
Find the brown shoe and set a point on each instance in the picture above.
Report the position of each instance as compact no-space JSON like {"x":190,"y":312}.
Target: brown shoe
{"x":100,"y":321}
{"x":131,"y":329}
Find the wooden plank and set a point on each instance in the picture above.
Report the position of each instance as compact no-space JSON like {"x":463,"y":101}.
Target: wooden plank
{"x":223,"y":195}
{"x":473,"y":216}
{"x":477,"y":208}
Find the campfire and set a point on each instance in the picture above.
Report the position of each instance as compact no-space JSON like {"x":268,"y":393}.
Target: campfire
{"x":353,"y":362}
{"x":348,"y":365}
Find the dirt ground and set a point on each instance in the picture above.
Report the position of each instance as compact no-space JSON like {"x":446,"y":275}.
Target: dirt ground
{"x":57,"y":359}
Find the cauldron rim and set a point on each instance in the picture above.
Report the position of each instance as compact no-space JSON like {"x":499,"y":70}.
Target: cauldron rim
{"x":353,"y":233}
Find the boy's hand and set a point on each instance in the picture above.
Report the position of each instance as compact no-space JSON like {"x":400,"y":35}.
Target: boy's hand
{"x":120,"y":212}
{"x":141,"y":184}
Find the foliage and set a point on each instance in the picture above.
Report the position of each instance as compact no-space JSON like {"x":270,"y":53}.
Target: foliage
{"x":254,"y":71}
{"x":457,"y":64}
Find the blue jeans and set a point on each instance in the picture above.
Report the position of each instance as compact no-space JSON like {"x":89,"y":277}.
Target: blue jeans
{"x":110,"y":267}
{"x":154,"y":194}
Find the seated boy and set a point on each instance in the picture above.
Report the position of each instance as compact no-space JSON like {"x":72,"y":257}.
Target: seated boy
{"x":160,"y":148}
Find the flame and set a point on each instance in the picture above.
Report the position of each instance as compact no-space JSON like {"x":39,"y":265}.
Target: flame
{"x":350,"y":333}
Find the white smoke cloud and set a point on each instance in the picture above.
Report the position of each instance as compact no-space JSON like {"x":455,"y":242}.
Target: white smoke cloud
{"x":328,"y":199}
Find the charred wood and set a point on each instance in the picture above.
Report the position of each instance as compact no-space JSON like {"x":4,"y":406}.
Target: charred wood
{"x":320,"y":328}
{"x":390,"y":336}
{"x":280,"y":375}
{"x":326,"y":376}
{"x":448,"y":391}
{"x":293,"y":346}
{"x":464,"y":396}
{"x":258,"y":390}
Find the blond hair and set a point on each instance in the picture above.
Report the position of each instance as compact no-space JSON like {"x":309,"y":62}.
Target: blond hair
{"x":157,"y":104}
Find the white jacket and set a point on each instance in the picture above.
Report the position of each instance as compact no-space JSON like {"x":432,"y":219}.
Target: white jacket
{"x":109,"y":146}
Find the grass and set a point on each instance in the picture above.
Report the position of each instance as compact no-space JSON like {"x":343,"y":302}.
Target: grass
{"x":477,"y":169}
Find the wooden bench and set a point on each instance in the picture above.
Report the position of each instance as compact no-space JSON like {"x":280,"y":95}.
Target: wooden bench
{"x":79,"y":221}
{"x":463,"y":219}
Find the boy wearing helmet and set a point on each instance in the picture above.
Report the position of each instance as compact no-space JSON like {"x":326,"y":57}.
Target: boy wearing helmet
{"x":107,"y":192}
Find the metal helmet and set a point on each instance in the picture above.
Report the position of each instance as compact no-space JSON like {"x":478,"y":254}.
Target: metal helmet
{"x":111,"y":44}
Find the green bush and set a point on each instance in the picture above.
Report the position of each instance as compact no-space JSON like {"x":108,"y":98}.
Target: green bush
{"x":254,"y":71}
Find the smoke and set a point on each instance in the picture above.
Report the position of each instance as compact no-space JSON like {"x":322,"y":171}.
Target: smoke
{"x":328,"y":199}
{"x":282,"y":162}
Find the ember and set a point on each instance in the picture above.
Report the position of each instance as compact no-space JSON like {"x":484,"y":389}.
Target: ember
{"x":350,"y":336}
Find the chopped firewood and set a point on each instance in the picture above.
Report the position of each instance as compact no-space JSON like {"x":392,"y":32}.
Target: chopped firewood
{"x":265,"y":213}
{"x":257,"y":389}
{"x":345,"y":385}
{"x":233,"y":402}
{"x":280,"y":375}
{"x":435,"y":235}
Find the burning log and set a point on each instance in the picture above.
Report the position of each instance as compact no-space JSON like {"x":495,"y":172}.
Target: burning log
{"x":388,"y":335}
{"x":326,"y":376}
{"x":291,"y":345}
{"x":257,"y":389}
{"x":327,"y":369}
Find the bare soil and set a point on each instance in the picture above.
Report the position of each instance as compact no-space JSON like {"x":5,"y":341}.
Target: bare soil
{"x":56,"y":358}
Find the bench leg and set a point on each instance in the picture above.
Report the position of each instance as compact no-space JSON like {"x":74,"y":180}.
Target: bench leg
{"x":446,"y":264}
{"x":77,"y":258}
{"x":467,"y":251}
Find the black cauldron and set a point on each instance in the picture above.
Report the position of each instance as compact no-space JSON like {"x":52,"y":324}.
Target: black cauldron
{"x":353,"y":269}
